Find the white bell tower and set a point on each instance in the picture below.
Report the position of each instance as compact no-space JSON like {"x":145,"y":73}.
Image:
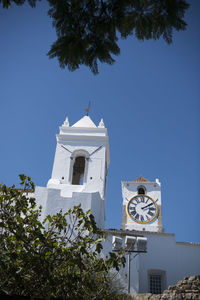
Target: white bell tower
{"x":142,"y":205}
{"x":79,"y":170}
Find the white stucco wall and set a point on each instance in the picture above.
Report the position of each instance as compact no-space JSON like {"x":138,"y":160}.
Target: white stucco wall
{"x":160,"y":256}
{"x":164,"y":256}
{"x":188,"y":259}
{"x":176,"y":259}
{"x":52,"y":202}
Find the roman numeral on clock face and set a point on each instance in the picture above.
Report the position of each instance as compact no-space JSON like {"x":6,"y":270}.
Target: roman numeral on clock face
{"x":137,"y":216}
{"x":141,"y":218}
{"x":133,"y":212}
{"x":148,"y":219}
{"x":132,"y":208}
{"x":142,"y":199}
{"x":150,"y":213}
{"x":152,"y":209}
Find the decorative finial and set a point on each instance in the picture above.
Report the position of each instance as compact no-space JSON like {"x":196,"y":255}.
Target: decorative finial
{"x":87,"y":109}
{"x":66,"y":122}
{"x":101,"y":123}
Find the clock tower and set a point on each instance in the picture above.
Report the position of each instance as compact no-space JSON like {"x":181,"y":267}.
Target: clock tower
{"x":142,"y":205}
{"x":79,"y":170}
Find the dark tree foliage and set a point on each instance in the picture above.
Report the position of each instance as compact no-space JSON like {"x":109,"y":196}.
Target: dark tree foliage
{"x":88,"y":30}
{"x":59,"y":257}
{"x":7,"y":3}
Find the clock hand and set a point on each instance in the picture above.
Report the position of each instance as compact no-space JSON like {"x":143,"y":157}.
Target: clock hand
{"x":147,"y":206}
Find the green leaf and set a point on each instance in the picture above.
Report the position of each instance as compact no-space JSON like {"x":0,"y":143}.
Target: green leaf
{"x":60,"y":256}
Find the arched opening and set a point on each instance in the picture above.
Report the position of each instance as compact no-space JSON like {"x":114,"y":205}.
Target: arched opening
{"x":78,"y":170}
{"x":141,"y":190}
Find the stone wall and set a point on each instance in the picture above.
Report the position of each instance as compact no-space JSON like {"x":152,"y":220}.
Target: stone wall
{"x":188,"y":289}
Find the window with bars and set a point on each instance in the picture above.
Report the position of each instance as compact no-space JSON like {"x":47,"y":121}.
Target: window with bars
{"x":155,"y":284}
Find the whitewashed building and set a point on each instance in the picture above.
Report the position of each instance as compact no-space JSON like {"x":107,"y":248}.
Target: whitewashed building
{"x":79,"y":176}
{"x":166,"y":261}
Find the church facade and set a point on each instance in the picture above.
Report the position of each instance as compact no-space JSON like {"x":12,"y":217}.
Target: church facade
{"x":79,"y":176}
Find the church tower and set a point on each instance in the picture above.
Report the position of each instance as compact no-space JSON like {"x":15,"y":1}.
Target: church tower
{"x":142,"y":205}
{"x":79,"y":170}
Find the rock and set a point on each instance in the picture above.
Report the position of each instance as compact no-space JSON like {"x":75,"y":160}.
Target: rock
{"x":188,"y":296}
{"x":155,"y":297}
{"x":191,"y":278}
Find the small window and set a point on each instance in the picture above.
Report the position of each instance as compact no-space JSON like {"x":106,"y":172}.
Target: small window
{"x":155,"y":284}
{"x":78,"y":170}
{"x":156,"y":281}
{"x":141,"y":190}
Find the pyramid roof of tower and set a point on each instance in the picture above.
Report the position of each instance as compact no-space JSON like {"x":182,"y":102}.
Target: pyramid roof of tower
{"x":141,"y":179}
{"x":85,"y":122}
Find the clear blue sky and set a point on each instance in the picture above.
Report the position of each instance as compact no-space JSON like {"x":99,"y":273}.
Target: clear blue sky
{"x":149,"y":100}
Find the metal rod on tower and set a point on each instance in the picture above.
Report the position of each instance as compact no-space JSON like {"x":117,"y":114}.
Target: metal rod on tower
{"x":87,"y":109}
{"x":132,"y":244}
{"x":129,"y":272}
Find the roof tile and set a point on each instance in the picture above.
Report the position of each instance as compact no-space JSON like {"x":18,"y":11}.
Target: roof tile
{"x":141,"y":179}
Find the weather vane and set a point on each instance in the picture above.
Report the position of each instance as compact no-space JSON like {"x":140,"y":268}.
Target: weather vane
{"x":87,"y":109}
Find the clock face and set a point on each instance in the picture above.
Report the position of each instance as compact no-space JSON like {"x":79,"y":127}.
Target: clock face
{"x":142,"y":209}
